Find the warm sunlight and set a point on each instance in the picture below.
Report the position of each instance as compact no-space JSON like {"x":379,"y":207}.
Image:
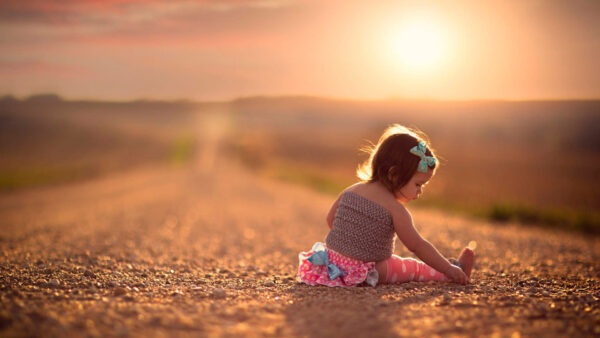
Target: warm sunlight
{"x":220,"y":50}
{"x":419,"y":45}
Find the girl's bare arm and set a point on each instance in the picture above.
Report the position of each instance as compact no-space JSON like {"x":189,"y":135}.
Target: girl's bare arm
{"x":410,"y":237}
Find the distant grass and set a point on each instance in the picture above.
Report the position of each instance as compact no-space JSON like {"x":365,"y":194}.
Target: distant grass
{"x":40,"y":176}
{"x":182,"y":150}
{"x":310,"y":178}
{"x":29,"y":176}
{"x":499,"y":212}
{"x":180,"y":153}
{"x":586,"y":222}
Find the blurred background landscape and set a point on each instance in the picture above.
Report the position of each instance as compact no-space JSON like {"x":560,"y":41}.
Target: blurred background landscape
{"x":536,"y":162}
{"x":507,"y":92}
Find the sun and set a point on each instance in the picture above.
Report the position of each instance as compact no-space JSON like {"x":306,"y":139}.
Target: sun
{"x":419,"y":45}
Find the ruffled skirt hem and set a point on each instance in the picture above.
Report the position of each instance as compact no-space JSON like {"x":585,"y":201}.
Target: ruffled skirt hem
{"x":355,"y":271}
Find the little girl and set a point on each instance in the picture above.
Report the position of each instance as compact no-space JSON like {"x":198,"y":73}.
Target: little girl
{"x":366,"y":216}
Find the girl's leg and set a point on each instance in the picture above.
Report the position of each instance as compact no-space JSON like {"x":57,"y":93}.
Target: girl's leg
{"x":400,"y":270}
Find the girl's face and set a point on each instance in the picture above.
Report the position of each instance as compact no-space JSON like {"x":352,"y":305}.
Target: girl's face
{"x":414,"y":188}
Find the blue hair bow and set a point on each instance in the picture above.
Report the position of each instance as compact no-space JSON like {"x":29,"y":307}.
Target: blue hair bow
{"x":320,"y":257}
{"x":426,"y":161}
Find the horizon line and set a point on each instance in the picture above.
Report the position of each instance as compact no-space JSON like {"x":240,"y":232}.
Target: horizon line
{"x":282,"y":96}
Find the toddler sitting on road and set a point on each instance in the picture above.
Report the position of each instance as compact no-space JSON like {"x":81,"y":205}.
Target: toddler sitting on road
{"x":367,"y":216}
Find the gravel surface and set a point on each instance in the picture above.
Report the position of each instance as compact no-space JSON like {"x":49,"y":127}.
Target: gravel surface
{"x":214,"y":253}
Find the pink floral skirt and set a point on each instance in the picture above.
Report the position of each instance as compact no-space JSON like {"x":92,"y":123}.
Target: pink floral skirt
{"x":355,"y":271}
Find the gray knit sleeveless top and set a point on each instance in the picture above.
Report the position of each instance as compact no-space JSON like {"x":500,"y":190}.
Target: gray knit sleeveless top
{"x":362,"y":229}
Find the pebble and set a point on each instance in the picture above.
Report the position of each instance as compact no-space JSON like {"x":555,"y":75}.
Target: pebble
{"x":269,"y":283}
{"x":54,"y":283}
{"x":120,"y":291}
{"x":219,"y":293}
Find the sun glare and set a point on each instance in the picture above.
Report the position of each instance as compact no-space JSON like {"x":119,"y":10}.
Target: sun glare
{"x":419,"y":45}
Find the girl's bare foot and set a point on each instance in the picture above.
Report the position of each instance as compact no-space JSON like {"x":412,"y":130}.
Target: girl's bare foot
{"x":466,"y":260}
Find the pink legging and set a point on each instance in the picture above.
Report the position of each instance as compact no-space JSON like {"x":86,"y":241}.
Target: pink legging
{"x":400,"y":270}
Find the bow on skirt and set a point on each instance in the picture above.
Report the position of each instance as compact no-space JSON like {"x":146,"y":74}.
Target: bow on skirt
{"x":320,"y":257}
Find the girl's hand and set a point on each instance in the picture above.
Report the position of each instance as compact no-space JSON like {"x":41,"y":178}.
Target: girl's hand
{"x":457,"y":275}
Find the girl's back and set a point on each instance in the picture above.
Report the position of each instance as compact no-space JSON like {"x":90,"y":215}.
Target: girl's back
{"x":361,"y":228}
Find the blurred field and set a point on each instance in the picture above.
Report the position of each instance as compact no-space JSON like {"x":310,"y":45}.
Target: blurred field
{"x":534,"y":162}
{"x":45,"y":140}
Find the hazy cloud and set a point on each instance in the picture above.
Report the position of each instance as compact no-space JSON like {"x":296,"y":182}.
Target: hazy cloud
{"x":65,"y":12}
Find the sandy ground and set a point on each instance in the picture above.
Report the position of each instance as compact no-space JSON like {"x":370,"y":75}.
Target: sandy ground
{"x":211,"y":250}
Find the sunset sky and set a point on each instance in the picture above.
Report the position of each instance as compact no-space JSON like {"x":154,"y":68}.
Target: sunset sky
{"x":217,"y":50}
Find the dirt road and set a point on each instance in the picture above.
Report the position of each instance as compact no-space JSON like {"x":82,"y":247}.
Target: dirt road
{"x":211,"y":250}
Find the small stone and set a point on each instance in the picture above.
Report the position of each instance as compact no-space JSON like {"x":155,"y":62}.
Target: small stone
{"x":89,"y":273}
{"x":113,"y":284}
{"x":269,"y":283}
{"x":219,"y":293}
{"x":120,"y":291}
{"x":54,"y":283}
{"x":93,"y":289}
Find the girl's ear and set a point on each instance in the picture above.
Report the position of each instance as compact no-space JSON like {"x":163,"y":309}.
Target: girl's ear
{"x":391,"y":175}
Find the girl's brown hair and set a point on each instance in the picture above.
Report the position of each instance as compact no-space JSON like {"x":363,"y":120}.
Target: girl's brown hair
{"x":390,"y":160}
